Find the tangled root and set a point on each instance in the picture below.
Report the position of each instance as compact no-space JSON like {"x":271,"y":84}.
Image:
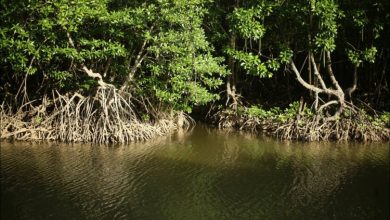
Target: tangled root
{"x":345,"y":129}
{"x":107,"y":117}
{"x":315,"y":128}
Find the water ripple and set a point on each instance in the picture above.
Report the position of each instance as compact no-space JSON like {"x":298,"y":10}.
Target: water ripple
{"x":233,"y":178}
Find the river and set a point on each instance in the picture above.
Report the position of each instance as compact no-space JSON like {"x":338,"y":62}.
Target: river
{"x":202,"y":174}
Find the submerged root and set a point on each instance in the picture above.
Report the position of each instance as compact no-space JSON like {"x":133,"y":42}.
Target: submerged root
{"x":107,"y":117}
{"x":345,"y":129}
{"x":357,"y":127}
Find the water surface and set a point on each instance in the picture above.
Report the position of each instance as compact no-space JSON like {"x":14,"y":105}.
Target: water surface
{"x":203,"y":174}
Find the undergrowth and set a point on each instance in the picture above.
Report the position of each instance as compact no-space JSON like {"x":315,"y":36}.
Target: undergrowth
{"x":298,"y":122}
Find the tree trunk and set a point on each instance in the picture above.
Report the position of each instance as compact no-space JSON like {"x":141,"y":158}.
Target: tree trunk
{"x":338,"y":93}
{"x":231,"y":79}
{"x":309,"y":70}
{"x":352,"y":89}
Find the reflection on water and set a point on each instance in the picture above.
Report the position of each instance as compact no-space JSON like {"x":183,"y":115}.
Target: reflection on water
{"x":203,"y":174}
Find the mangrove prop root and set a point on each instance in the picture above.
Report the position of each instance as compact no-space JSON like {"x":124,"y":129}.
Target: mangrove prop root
{"x":315,"y":128}
{"x":106,"y":117}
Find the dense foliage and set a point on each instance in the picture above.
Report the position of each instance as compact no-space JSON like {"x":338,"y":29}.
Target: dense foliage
{"x":155,"y":48}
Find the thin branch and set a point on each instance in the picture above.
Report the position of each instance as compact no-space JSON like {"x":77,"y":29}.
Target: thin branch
{"x":138,"y":61}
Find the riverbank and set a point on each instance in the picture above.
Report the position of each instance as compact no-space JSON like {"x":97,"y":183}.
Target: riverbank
{"x":110,"y":117}
{"x":107,"y":117}
{"x":300,"y":123}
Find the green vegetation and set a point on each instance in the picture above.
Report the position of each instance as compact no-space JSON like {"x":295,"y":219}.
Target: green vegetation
{"x":120,"y":71}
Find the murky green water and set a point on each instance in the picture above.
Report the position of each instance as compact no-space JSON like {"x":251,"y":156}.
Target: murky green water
{"x":206,"y":174}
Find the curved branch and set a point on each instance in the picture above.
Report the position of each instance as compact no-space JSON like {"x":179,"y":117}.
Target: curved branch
{"x":88,"y":71}
{"x":302,"y":81}
{"x":322,"y":107}
{"x":97,"y":76}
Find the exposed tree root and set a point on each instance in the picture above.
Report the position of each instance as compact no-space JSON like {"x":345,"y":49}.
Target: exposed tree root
{"x":107,"y":117}
{"x":356,"y":127}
